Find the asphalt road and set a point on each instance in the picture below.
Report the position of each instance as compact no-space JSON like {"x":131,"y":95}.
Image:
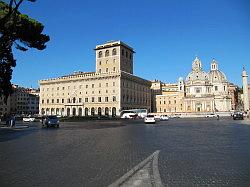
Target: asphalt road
{"x":193,"y":152}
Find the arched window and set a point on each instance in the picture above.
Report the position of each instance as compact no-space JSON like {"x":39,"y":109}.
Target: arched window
{"x":100,"y":54}
{"x":114,"y":52}
{"x":106,"y":53}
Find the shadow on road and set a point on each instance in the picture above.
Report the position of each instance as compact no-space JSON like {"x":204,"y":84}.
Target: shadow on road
{"x":7,"y":134}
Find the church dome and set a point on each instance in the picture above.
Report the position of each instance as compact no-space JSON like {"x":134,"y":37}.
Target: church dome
{"x":215,"y":75}
{"x":197,"y":74}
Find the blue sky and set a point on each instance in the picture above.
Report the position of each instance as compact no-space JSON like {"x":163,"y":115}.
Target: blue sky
{"x":166,"y":35}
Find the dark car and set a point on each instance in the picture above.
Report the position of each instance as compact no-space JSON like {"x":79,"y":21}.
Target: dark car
{"x":238,"y":115}
{"x":50,"y":121}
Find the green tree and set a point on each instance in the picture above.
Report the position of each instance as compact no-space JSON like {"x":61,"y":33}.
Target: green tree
{"x":19,"y":31}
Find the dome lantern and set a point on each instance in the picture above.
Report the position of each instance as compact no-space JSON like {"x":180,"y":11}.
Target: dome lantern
{"x":214,"y":65}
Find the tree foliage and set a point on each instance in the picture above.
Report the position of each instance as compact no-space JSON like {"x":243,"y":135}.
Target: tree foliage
{"x":19,"y":31}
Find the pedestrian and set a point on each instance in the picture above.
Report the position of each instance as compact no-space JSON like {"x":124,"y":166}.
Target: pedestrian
{"x":12,"y":120}
{"x":7,"y":120}
{"x":218,"y":117}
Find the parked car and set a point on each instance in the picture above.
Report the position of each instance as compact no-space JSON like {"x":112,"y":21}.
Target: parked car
{"x":238,"y":115}
{"x":212,"y":115}
{"x":149,"y":119}
{"x":28,"y":119}
{"x":129,"y":115}
{"x":164,"y":118}
{"x":50,"y":121}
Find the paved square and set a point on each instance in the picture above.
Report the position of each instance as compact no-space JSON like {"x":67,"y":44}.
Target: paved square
{"x":193,"y":152}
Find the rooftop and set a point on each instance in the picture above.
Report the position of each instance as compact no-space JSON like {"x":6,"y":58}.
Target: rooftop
{"x":113,"y":43}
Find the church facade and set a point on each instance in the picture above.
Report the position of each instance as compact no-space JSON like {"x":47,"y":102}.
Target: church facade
{"x":200,"y":92}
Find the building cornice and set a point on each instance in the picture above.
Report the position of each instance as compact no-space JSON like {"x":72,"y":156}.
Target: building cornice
{"x":80,"y":76}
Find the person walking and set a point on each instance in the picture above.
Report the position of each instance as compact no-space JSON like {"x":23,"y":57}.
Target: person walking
{"x":12,"y":120}
{"x":218,"y":117}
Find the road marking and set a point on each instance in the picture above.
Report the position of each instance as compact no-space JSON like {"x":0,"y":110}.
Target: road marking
{"x":146,"y":173}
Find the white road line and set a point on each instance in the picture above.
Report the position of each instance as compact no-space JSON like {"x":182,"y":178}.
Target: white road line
{"x":156,"y":176}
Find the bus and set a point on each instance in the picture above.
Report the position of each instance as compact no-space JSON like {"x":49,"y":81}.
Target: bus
{"x":141,"y":113}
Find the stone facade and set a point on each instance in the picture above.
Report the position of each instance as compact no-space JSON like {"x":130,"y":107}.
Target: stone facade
{"x":200,"y":92}
{"x":23,"y":101}
{"x":110,"y":89}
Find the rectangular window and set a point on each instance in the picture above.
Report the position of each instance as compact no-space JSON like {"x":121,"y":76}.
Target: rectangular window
{"x":93,"y":85}
{"x":86,"y":99}
{"x":57,"y":100}
{"x":42,"y":100}
{"x":57,"y":88}
{"x":113,"y":83}
{"x":87,"y":86}
{"x":80,"y":100}
{"x":52,"y":101}
{"x":100,"y":85}
{"x":114,"y":98}
{"x":99,"y":99}
{"x":106,"y":99}
{"x":93,"y":99}
{"x":63,"y":88}
{"x":47,"y":100}
{"x":107,"y":84}
{"x":62,"y":100}
{"x":216,"y":88}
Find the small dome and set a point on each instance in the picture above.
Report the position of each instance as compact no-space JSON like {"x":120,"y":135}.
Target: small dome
{"x":217,"y":76}
{"x":180,"y":79}
{"x":197,"y":76}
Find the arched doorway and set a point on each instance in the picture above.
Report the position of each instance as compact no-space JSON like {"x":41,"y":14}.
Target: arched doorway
{"x":113,"y":111}
{"x":198,"y":107}
{"x":92,"y":111}
{"x":86,"y":111}
{"x":57,"y":111}
{"x":99,"y":111}
{"x":80,"y":111}
{"x":106,"y":111}
{"x":68,"y":111}
{"x":74,"y":112}
{"x":62,"y":112}
{"x":52,"y":111}
{"x":47,"y":111}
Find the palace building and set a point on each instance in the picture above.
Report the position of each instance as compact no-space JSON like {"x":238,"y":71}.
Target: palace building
{"x":107,"y":91}
{"x":200,"y":92}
